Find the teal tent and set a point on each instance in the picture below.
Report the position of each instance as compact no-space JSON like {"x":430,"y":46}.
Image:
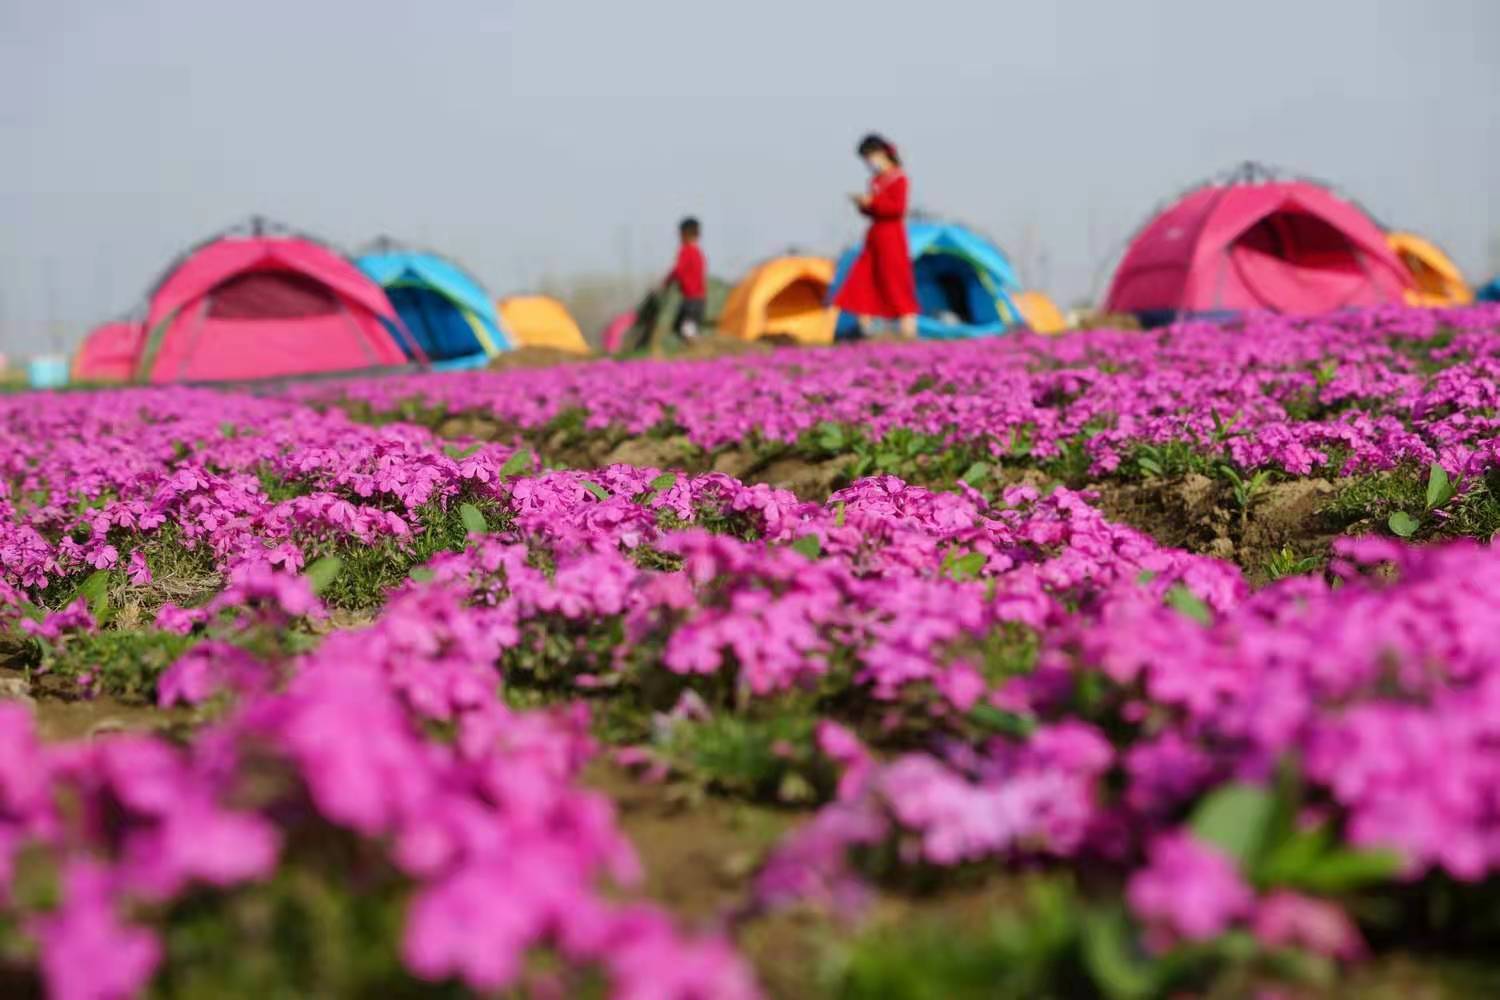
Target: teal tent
{"x":964,"y":283}
{"x":448,"y":313}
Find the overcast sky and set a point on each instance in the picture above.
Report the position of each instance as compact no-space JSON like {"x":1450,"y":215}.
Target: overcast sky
{"x":540,"y":138}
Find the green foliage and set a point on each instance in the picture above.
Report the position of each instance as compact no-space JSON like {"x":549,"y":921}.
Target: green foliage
{"x":1439,"y":489}
{"x":1244,"y":491}
{"x":366,"y":572}
{"x":1188,"y":603}
{"x":759,"y":758}
{"x":1171,"y":459}
{"x":1403,"y":524}
{"x":809,"y":546}
{"x":1044,"y":941}
{"x":123,"y":664}
{"x":1234,"y":818}
{"x":600,"y":493}
{"x":519,"y":464}
{"x":310,"y":930}
{"x":961,"y":565}
{"x":1285,"y":562}
{"x":473,"y":521}
{"x":322,"y":572}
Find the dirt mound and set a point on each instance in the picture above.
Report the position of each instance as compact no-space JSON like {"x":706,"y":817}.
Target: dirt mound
{"x":712,"y":345}
{"x":651,"y":452}
{"x":535,"y":357}
{"x":1200,"y":514}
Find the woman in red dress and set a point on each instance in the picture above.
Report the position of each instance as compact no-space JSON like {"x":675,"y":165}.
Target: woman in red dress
{"x":881,"y":283}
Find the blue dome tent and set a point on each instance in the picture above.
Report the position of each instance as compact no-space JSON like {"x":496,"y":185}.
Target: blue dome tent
{"x":964,"y":283}
{"x":1490,"y":292}
{"x":449,"y":314}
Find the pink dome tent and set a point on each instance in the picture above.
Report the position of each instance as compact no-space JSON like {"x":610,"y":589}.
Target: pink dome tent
{"x":109,"y":353}
{"x":1254,"y":241}
{"x":250,"y":304}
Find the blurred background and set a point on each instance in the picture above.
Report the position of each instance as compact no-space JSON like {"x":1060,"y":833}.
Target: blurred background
{"x":552,"y":146}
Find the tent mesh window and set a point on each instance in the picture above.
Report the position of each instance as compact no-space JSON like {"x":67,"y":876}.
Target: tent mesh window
{"x":1301,"y":240}
{"x":272,"y":294}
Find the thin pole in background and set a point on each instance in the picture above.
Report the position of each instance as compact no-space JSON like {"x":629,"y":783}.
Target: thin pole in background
{"x":49,"y":276}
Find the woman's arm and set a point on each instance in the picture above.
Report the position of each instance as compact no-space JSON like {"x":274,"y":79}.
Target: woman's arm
{"x":889,"y":202}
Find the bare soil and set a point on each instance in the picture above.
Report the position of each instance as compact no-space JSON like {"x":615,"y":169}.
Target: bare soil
{"x":1197,"y":513}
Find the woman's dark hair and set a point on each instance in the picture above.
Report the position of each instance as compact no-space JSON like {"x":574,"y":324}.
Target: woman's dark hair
{"x":875,"y":142}
{"x":689,"y":227}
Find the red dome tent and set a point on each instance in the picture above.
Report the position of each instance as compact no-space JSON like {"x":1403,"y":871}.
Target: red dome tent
{"x":250,"y":303}
{"x":1255,"y":241}
{"x":109,"y":353}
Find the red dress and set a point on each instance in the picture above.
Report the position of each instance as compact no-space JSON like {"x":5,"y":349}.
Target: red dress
{"x":881,"y":282}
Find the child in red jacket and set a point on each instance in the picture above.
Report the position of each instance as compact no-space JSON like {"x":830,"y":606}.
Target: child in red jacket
{"x":690,"y":274}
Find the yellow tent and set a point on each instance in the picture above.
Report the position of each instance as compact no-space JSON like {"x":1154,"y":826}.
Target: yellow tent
{"x":1040,"y":312}
{"x":785,"y":297}
{"x":541,"y":321}
{"x":1439,"y":281}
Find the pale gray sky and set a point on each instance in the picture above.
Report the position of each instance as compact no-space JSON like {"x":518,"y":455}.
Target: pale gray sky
{"x":547,"y":137}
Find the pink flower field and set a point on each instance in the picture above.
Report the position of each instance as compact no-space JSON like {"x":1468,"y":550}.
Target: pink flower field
{"x":1119,"y":664}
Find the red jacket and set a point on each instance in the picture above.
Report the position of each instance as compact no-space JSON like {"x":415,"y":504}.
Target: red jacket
{"x":690,"y":272}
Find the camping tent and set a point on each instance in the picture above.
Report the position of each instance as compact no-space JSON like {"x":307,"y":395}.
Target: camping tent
{"x":1490,"y":292}
{"x":541,"y":321}
{"x":252,"y":304}
{"x":448,"y":314}
{"x":1438,"y":280}
{"x":964,"y":283}
{"x":657,"y":313}
{"x":1040,"y":313}
{"x":109,"y":353}
{"x":1250,"y":241}
{"x":786,"y":297}
{"x":612,"y":337}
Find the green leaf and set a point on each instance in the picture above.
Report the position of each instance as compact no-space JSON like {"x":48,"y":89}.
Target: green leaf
{"x":95,"y":590}
{"x":474,"y":522}
{"x":1403,"y":524}
{"x":1439,"y":489}
{"x":998,"y":720}
{"x":600,"y":493}
{"x":1188,"y":603}
{"x":968,"y":566}
{"x":455,"y":452}
{"x":1149,"y":466}
{"x":322,"y":572}
{"x":665,"y":481}
{"x":831,"y":436}
{"x":1111,"y":958}
{"x":1290,"y":861}
{"x":421,"y":574}
{"x":1346,"y":869}
{"x":1146,"y":576}
{"x":838,"y":515}
{"x":809,"y":546}
{"x":975,"y":473}
{"x":519,"y":464}
{"x":1235,"y":818}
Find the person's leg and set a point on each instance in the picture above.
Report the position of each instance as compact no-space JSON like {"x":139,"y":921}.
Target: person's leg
{"x":685,"y":325}
{"x":908,"y":326}
{"x":864,"y":325}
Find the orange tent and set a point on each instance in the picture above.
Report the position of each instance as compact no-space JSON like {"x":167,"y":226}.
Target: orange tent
{"x":541,"y":321}
{"x":1439,"y":281}
{"x":783,"y":297}
{"x":1040,"y":312}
